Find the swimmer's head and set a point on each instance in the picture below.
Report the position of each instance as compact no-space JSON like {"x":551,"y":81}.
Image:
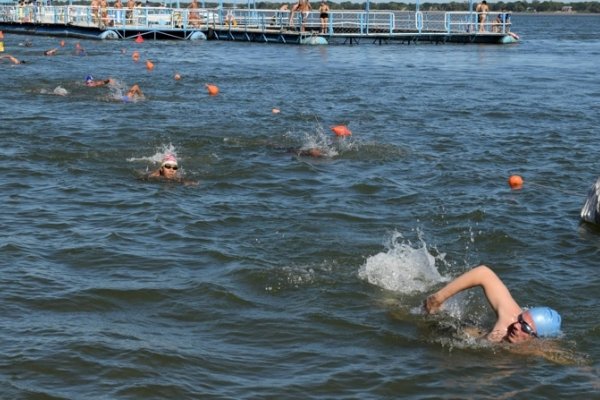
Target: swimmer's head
{"x":89,"y":79}
{"x":546,"y":320}
{"x":169,"y":160}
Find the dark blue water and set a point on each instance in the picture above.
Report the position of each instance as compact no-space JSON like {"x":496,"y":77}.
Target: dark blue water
{"x":280,"y":276}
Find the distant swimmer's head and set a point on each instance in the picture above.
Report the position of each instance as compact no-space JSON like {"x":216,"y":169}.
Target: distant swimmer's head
{"x":89,"y":79}
{"x":546,"y":321}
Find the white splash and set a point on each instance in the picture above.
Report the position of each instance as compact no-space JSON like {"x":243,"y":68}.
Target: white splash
{"x":60,"y":91}
{"x":318,"y":139}
{"x":157,"y":157}
{"x":402,"y":268}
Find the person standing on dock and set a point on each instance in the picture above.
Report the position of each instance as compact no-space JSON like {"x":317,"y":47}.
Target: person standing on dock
{"x":304,"y":8}
{"x":324,"y":15}
{"x":95,"y":4}
{"x":482,"y":10}
{"x":129,"y":12}
{"x":193,"y":17}
{"x":502,"y":22}
{"x":295,"y":8}
{"x":118,"y":12}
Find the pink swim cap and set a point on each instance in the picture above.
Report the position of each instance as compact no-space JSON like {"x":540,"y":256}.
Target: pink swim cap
{"x":169,"y":159}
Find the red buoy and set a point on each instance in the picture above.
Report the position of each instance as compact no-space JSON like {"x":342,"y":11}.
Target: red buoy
{"x":341,"y":130}
{"x":515,"y":182}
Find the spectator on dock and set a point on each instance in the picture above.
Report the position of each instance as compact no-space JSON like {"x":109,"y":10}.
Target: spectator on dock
{"x":106,"y":21}
{"x":324,"y":15}
{"x":482,"y":10}
{"x":278,"y":18}
{"x":118,"y":13}
{"x":295,"y":8}
{"x":129,"y":12}
{"x":304,"y":8}
{"x":194,"y":17}
{"x":95,"y":7}
{"x":502,"y":22}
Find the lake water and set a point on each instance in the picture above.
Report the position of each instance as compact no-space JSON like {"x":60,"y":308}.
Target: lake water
{"x":287,"y":277}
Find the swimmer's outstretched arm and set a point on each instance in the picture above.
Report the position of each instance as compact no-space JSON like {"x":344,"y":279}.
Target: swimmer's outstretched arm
{"x":12,"y":59}
{"x":495,"y":291}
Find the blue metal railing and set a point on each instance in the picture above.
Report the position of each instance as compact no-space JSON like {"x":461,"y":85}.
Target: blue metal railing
{"x":163,"y":18}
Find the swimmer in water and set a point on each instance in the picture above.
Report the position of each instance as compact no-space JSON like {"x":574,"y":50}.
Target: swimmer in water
{"x":168,"y":168}
{"x":513,"y":324}
{"x":91,"y":82}
{"x":134,"y":94}
{"x":79,"y":51}
{"x":50,"y":52}
{"x":169,"y":171}
{"x":12,"y":59}
{"x":310,"y":152}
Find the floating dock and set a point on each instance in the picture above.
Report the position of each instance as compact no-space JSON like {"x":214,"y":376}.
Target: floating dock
{"x":253,"y":25}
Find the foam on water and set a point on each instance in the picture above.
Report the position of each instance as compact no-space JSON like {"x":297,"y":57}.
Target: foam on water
{"x":157,"y":157}
{"x":404,"y":267}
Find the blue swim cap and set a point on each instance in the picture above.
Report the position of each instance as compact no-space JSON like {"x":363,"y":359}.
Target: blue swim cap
{"x":546,"y":320}
{"x":89,"y":78}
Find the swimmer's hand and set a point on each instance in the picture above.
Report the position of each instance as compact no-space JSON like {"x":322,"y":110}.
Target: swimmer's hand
{"x":431,"y":305}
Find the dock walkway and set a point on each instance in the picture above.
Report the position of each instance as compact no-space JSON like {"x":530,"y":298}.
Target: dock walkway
{"x":252,"y":25}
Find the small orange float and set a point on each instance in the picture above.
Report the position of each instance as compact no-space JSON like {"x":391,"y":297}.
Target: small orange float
{"x":213,"y":90}
{"x":139,"y":39}
{"x":341,"y":130}
{"x":515,"y":182}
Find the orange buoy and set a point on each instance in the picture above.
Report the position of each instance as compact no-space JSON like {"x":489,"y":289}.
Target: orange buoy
{"x":139,"y":39}
{"x":276,"y":111}
{"x":213,"y":90}
{"x":135,"y":56}
{"x":149,"y":65}
{"x":515,"y":182}
{"x":341,"y":130}
{"x":177,"y":77}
